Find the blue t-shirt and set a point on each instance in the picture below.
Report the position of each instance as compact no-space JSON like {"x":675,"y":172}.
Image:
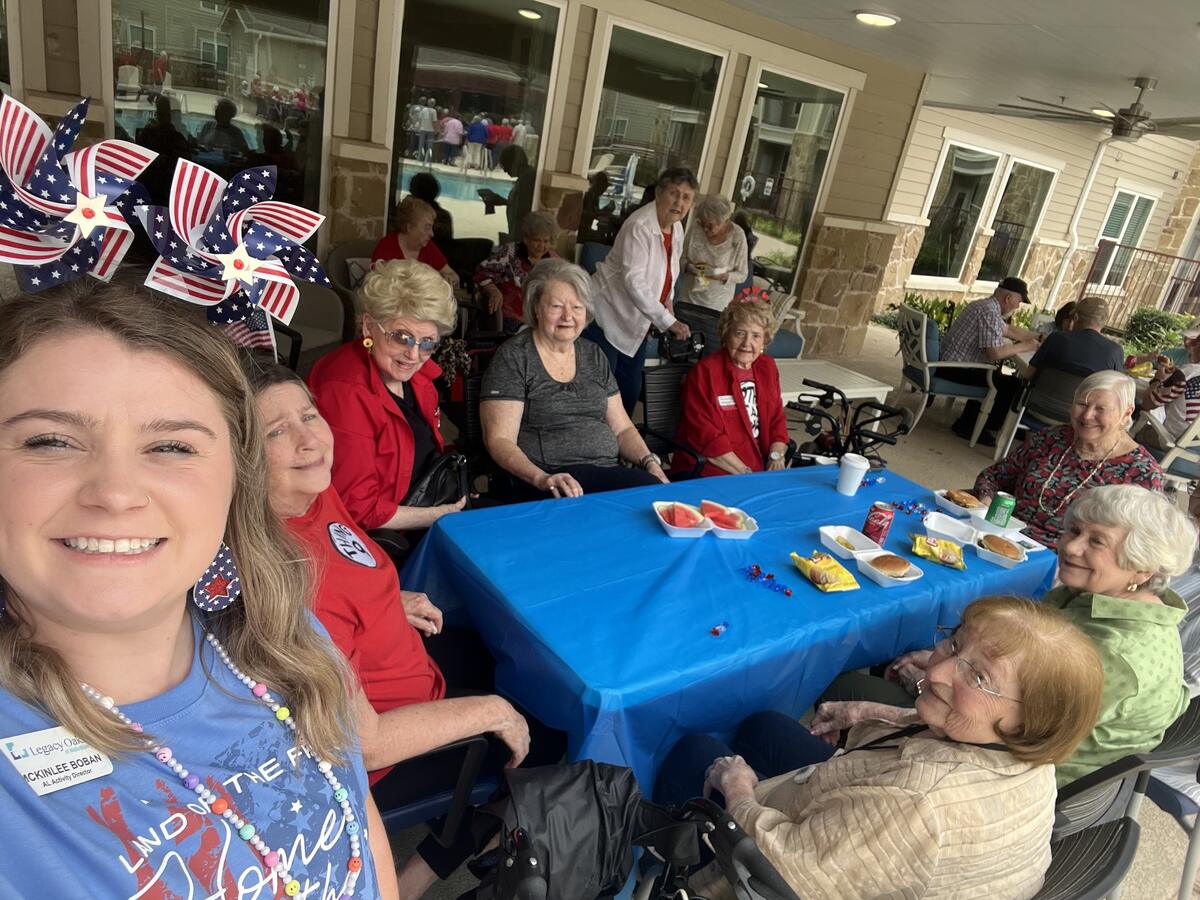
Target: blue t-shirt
{"x":477,"y":133}
{"x":137,"y":832}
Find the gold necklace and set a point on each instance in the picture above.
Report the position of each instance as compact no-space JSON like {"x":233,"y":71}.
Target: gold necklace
{"x":1078,"y":487}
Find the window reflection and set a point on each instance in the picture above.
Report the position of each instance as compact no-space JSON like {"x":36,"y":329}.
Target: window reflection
{"x":1016,"y":219}
{"x":474,"y":77}
{"x":783,"y":162}
{"x":957,"y":203}
{"x":655,"y":109}
{"x":225,"y":84}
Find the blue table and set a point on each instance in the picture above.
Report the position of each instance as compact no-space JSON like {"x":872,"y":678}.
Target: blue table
{"x":600,"y":622}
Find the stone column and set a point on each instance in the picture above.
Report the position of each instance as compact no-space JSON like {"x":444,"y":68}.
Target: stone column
{"x":358,"y":206}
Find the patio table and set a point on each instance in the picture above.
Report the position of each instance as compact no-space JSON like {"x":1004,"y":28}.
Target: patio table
{"x":601,"y":624}
{"x":855,"y":385}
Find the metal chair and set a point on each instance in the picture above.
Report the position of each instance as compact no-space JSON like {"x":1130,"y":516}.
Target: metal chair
{"x":920,"y":344}
{"x":1180,"y":807}
{"x":703,"y":320}
{"x":1090,"y":864}
{"x":1047,"y":400}
{"x":339,"y":277}
{"x":662,"y":406}
{"x":591,"y":253}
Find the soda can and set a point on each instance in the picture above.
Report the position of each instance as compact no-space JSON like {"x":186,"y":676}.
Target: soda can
{"x":879,"y":522}
{"x":1001,"y":509}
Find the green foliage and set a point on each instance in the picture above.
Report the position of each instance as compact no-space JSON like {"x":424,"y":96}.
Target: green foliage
{"x":1023,"y":317}
{"x":889,"y":318}
{"x":776,"y":229}
{"x":1150,"y":330}
{"x":783,"y":258}
{"x":939,"y":311}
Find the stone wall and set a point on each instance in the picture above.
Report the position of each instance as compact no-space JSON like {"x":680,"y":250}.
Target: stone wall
{"x":355,"y":210}
{"x":842,"y":278}
{"x":899,"y":266}
{"x":1179,"y":220}
{"x":1041,"y":268}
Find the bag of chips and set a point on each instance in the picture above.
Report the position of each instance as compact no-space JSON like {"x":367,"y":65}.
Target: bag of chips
{"x":939,"y":550}
{"x":825,"y":572}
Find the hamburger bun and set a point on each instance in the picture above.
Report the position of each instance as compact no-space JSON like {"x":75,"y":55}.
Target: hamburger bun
{"x":1000,"y":546}
{"x":963,"y":499}
{"x":891,"y":565}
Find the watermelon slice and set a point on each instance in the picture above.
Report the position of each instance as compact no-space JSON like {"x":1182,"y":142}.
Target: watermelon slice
{"x":726,"y":517}
{"x":680,"y":515}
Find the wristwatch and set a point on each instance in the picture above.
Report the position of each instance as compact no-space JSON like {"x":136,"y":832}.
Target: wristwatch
{"x":650,"y":458}
{"x":775,"y":456}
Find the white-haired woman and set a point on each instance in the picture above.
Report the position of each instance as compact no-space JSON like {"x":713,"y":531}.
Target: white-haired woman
{"x":1055,"y":464}
{"x":551,"y":411}
{"x":714,"y":255}
{"x":502,"y":275}
{"x":379,"y":397}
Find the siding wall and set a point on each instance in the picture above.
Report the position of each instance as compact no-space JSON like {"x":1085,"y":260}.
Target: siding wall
{"x":362,"y":79}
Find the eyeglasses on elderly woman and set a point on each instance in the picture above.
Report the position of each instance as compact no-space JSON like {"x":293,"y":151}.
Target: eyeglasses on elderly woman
{"x":402,"y":340}
{"x":947,"y":643}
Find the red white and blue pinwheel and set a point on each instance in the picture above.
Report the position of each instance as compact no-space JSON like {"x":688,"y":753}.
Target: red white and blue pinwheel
{"x":229,"y":246}
{"x":62,"y":212}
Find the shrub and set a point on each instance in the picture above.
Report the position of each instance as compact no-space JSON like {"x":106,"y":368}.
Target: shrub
{"x":1151,"y":329}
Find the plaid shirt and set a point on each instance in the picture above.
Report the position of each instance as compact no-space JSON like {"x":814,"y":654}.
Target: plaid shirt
{"x":976,"y":328}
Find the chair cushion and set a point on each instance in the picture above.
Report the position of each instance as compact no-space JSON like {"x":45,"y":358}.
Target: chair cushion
{"x":933,"y":341}
{"x":944,"y":386}
{"x":786,"y":345}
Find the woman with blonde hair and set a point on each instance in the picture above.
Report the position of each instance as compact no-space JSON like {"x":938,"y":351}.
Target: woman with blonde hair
{"x":379,"y":397}
{"x":175,"y":721}
{"x":413,"y":239}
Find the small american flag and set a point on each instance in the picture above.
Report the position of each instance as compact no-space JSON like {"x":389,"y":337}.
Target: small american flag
{"x":1191,"y":398}
{"x":253,"y":332}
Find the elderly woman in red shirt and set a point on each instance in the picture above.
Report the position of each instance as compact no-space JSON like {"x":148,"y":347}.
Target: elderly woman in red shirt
{"x":732,"y":407}
{"x":379,"y":397}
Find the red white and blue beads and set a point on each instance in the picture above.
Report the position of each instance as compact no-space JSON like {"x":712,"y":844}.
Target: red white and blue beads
{"x":755,"y":574}
{"x":218,"y":805}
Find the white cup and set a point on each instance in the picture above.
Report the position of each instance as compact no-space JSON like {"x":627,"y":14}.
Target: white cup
{"x":851,"y":473}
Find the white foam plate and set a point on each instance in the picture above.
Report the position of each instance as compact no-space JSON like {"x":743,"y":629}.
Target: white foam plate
{"x":999,"y":560}
{"x":881,"y":579}
{"x":862,"y":543}
{"x":674,"y":531}
{"x":953,"y":508}
{"x":940,"y":525}
{"x":734,"y":534}
{"x":1014,"y":526}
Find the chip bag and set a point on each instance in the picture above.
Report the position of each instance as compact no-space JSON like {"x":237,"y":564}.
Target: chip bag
{"x":825,"y":572}
{"x":939,"y":550}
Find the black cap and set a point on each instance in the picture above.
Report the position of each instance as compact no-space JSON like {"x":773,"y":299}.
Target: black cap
{"x":1017,"y":286}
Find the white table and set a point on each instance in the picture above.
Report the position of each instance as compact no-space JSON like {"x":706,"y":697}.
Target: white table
{"x":855,"y":385}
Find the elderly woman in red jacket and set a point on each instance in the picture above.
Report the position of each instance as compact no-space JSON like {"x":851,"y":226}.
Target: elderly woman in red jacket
{"x":378,"y":396}
{"x":732,"y":407}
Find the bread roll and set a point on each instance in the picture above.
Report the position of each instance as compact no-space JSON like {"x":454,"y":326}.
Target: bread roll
{"x":891,"y":565}
{"x":1000,"y":546}
{"x":963,"y":499}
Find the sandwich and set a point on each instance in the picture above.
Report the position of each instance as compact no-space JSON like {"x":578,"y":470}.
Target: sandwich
{"x":963,"y":499}
{"x":891,"y":565}
{"x":1000,"y":546}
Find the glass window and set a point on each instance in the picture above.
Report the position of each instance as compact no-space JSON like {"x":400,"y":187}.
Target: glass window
{"x":226,"y":85}
{"x":655,"y":108}
{"x":1016,"y":220}
{"x":474,"y":77}
{"x":1126,"y":223}
{"x":783,"y":162}
{"x":958,"y":199}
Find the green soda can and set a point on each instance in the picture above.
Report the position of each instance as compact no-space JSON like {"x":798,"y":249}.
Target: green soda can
{"x":1001,"y":509}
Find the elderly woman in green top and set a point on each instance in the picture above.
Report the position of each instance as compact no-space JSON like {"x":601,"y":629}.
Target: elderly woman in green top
{"x":1120,"y":546}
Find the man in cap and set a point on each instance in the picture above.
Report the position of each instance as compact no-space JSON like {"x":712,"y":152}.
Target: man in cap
{"x":1083,"y":349}
{"x":980,"y":333}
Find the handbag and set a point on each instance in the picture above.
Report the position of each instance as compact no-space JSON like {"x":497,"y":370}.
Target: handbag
{"x":445,"y":482}
{"x":676,"y":350}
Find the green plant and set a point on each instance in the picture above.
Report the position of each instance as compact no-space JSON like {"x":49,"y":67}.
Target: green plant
{"x":889,"y":318}
{"x":939,"y":311}
{"x":783,"y":258}
{"x":1150,"y":330}
{"x":1023,"y":317}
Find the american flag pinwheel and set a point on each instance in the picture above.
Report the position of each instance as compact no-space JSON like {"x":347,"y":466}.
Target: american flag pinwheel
{"x":64,"y":214}
{"x":230,"y":247}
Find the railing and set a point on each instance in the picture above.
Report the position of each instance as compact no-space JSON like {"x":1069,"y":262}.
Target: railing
{"x":1129,"y":277}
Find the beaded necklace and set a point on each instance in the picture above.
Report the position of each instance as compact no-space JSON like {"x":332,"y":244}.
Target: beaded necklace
{"x":272,"y":859}
{"x":1078,"y":487}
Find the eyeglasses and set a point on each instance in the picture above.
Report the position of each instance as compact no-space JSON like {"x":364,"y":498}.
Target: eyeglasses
{"x":402,"y":340}
{"x":945,"y":643}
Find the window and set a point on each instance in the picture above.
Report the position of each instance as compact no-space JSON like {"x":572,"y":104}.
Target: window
{"x":618,"y":127}
{"x":665,"y":92}
{"x":474,"y":82}
{"x":243,"y":88}
{"x":1017,"y":217}
{"x":1124,"y":226}
{"x":783,"y":162}
{"x":954,"y":211}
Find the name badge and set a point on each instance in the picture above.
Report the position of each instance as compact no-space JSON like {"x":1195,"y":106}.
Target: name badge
{"x":726,"y":401}
{"x":54,"y":759}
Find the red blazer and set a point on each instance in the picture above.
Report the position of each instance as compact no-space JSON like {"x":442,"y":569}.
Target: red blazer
{"x":714,"y":419}
{"x":372,"y":441}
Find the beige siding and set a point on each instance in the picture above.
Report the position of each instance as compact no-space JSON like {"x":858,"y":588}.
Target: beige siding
{"x":579,"y":64}
{"x":61,"y":21}
{"x":723,"y":135}
{"x":1151,"y":161}
{"x":362,"y":79}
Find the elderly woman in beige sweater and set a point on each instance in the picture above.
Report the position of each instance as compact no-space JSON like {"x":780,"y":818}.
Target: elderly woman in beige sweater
{"x":952,"y":800}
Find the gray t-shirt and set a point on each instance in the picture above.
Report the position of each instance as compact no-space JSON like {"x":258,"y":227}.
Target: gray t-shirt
{"x":563,"y":423}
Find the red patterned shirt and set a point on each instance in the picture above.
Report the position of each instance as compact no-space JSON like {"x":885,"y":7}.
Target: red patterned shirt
{"x":1028,"y":473}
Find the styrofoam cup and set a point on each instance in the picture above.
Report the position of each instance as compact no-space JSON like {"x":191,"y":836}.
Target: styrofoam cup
{"x":850,"y":475}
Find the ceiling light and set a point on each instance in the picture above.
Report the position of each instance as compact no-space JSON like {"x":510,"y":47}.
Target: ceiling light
{"x":763,"y":85}
{"x":875,"y":18}
{"x":529,"y":13}
{"x":1104,"y":113}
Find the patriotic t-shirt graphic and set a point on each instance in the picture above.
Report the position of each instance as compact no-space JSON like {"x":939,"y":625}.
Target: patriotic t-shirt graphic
{"x":1182,"y":411}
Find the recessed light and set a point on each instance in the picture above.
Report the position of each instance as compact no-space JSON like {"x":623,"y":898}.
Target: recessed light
{"x":1104,"y":113}
{"x":529,"y":13}
{"x":876,"y":18}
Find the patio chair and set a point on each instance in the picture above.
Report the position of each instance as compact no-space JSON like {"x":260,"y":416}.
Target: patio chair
{"x":662,"y":405}
{"x":1047,"y":400}
{"x":591,"y":253}
{"x":1180,"y":460}
{"x":1181,"y":808}
{"x":920,"y":344}
{"x":704,"y":320}
{"x":129,"y":82}
{"x":337,"y":267}
{"x":788,"y":342}
{"x":1090,"y":864}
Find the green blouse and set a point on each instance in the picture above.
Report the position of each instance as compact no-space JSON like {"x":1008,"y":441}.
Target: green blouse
{"x":1144,"y":691}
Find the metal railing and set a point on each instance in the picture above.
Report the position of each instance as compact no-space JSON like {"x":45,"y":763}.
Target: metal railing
{"x":1129,"y":277}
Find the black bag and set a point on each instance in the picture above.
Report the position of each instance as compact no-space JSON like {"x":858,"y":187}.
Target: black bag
{"x":675,"y":350}
{"x":445,"y":482}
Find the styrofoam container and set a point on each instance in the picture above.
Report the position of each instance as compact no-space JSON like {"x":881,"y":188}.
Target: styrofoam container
{"x":953,"y":508}
{"x":940,"y":525}
{"x":865,"y":567}
{"x":1003,"y":561}
{"x":1014,"y":526}
{"x":699,"y":531}
{"x":862,"y":543}
{"x":735,"y":534}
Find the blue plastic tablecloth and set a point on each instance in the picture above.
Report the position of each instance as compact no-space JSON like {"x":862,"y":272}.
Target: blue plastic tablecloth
{"x":601,"y":623}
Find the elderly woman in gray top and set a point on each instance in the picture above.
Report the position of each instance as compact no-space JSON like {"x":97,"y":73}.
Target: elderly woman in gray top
{"x":552,"y":415}
{"x":714,"y":255}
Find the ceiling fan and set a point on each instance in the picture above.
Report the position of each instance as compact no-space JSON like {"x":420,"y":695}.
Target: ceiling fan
{"x":1127,"y":124}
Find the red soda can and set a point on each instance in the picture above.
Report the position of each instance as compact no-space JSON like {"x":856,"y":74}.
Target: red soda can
{"x":879,"y":522}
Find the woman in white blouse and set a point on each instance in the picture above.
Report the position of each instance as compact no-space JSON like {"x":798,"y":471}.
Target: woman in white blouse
{"x":714,"y":255}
